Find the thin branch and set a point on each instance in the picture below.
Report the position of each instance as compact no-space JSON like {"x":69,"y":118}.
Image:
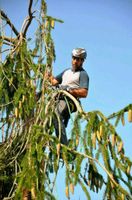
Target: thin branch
{"x":8,"y":39}
{"x":19,"y":43}
{"x":8,"y":79}
{"x":91,"y":158}
{"x":29,"y":19}
{"x":119,"y":112}
{"x":30,"y":6}
{"x":9,"y":198}
{"x":5,"y":50}
{"x":9,"y":22}
{"x":8,"y":44}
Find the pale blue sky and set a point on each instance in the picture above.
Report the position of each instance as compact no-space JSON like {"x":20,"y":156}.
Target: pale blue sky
{"x":104,"y":28}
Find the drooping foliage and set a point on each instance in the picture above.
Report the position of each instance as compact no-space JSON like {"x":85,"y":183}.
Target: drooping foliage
{"x":30,"y":154}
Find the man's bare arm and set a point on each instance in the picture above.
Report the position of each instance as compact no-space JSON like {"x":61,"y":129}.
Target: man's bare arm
{"x":79,"y":92}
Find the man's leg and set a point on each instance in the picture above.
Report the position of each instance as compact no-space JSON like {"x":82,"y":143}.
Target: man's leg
{"x":59,"y":121}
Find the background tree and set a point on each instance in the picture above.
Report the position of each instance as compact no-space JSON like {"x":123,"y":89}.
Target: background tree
{"x":30,"y":154}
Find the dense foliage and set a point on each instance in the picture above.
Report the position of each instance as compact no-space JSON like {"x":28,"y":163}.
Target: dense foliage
{"x":30,"y":154}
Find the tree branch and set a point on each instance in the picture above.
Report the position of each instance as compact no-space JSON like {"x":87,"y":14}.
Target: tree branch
{"x":119,"y":112}
{"x":9,"y":22}
{"x":7,"y":41}
{"x":29,"y":18}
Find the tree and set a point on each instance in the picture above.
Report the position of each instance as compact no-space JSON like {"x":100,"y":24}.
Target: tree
{"x":29,"y":151}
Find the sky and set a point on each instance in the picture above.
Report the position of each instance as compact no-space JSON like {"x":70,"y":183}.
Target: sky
{"x":104,"y":29}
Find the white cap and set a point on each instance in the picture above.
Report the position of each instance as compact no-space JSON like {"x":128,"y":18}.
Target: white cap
{"x":79,"y":52}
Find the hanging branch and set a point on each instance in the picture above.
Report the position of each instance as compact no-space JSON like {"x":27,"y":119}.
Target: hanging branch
{"x":95,"y":160}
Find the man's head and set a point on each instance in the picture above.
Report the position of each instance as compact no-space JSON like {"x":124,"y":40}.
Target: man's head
{"x":78,"y":57}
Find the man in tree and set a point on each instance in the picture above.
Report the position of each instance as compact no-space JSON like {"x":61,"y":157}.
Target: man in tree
{"x":74,"y":80}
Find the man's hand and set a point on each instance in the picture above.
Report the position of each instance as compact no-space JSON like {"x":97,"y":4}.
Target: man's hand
{"x":64,"y":87}
{"x":51,"y":78}
{"x":47,"y":75}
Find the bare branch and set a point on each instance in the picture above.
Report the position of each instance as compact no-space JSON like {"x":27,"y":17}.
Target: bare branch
{"x":8,"y":39}
{"x":29,"y":18}
{"x":7,"y":43}
{"x":5,"y":50}
{"x":30,"y":6}
{"x":9,"y":22}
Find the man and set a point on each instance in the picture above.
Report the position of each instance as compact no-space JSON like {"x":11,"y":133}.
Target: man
{"x":75,"y":80}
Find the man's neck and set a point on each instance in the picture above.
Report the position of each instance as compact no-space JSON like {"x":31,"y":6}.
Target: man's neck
{"x":77,"y":69}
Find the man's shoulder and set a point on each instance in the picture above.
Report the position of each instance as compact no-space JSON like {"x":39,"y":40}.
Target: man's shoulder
{"x":83,"y":71}
{"x":67,"y":70}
